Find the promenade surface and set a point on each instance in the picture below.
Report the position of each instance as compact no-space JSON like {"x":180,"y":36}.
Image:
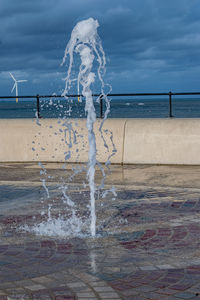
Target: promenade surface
{"x":148,"y":237}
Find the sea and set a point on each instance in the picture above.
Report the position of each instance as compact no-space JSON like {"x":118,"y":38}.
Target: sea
{"x":129,"y":107}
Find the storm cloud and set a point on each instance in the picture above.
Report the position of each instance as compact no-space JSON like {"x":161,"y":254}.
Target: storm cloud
{"x":150,"y":45}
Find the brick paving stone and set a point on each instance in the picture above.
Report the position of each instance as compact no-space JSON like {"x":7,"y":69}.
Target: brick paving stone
{"x":42,"y":296}
{"x":35,"y":287}
{"x":16,"y":290}
{"x":103,"y":289}
{"x":185,"y":295}
{"x":85,"y":289}
{"x":22,"y":283}
{"x":169,"y":280}
{"x":90,"y":298}
{"x":85,"y":294}
{"x":121,"y":287}
{"x":166,"y":291}
{"x":7,"y":285}
{"x":160,"y":285}
{"x":148,"y":268}
{"x":195,"y":289}
{"x":154,"y":296}
{"x":76,"y":285}
{"x":129,"y":292}
{"x":87,"y":277}
{"x":180,"y":287}
{"x":96,"y":283}
{"x":18,"y":297}
{"x":154,"y":255}
{"x":170,"y":298}
{"x":47,"y":282}
{"x":167,"y":267}
{"x":109,"y":295}
{"x":145,"y":288}
{"x":81,"y":290}
{"x":136,"y":297}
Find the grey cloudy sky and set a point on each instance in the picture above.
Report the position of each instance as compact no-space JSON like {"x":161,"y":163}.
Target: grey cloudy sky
{"x":150,"y":45}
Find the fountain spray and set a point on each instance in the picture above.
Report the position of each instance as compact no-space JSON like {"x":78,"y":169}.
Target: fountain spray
{"x":85,"y":41}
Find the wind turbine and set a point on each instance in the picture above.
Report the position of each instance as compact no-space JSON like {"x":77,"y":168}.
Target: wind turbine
{"x":15,"y":86}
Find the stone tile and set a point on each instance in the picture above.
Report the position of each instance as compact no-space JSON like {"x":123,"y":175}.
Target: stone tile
{"x":131,"y":292}
{"x":23,"y":283}
{"x":180,"y":287}
{"x":145,"y":288}
{"x":43,"y":279}
{"x":166,"y":291}
{"x":17,"y":293}
{"x":7,"y":285}
{"x":185,"y":295}
{"x":164,"y":267}
{"x":111,"y":295}
{"x":155,"y":296}
{"x":103,"y":289}
{"x":90,"y":298}
{"x":170,"y":298}
{"x":88,"y":277}
{"x":194,"y":289}
{"x":135,"y":297}
{"x":152,"y":250}
{"x":35,"y":287}
{"x":98,"y":283}
{"x":148,"y":268}
{"x":85,"y":295}
{"x":76,"y":284}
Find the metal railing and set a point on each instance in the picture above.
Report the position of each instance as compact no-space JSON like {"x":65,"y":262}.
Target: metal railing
{"x":169,"y":94}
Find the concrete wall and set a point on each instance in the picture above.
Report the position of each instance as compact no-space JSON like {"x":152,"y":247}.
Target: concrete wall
{"x":138,"y":141}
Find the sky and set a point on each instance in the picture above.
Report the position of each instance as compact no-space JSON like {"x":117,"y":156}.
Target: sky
{"x":150,"y":45}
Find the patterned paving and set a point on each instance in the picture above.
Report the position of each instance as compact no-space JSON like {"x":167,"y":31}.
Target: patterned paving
{"x":147,"y":247}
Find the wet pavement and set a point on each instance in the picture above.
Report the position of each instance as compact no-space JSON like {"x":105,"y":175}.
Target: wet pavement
{"x":148,"y":236}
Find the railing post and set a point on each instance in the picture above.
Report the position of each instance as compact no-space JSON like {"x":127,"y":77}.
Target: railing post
{"x":38,"y":106}
{"x":170,"y":105}
{"x":101,"y":106}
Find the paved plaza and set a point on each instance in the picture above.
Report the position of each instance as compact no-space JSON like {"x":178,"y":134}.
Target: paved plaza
{"x":148,"y":236}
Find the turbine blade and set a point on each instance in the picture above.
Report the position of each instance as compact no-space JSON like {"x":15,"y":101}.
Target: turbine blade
{"x":16,"y":90}
{"x":13,"y":87}
{"x":21,"y":80}
{"x":12,"y":76}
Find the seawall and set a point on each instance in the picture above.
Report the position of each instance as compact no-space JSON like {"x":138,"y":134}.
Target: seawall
{"x":137,"y":141}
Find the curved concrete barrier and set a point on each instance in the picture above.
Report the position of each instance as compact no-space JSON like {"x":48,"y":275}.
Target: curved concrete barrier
{"x":162,"y":141}
{"x":54,"y":141}
{"x":137,"y":141}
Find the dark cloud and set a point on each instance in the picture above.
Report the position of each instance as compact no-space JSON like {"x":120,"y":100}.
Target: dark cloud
{"x":151,"y":45}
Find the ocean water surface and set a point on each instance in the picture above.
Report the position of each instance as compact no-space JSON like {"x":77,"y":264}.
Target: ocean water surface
{"x":135,"y":107}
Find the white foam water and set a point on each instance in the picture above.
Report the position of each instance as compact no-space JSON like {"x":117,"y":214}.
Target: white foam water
{"x":63,"y":227}
{"x":86,"y":44}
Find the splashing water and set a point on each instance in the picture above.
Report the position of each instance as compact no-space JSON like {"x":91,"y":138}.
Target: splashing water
{"x":86,"y":45}
{"x":86,"y":42}
{"x":70,"y":227}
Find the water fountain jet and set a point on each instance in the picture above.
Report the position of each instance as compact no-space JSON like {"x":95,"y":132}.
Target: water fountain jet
{"x":86,"y":45}
{"x":86,"y":42}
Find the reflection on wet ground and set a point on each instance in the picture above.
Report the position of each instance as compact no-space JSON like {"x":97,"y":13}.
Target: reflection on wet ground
{"x":147,"y":246}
